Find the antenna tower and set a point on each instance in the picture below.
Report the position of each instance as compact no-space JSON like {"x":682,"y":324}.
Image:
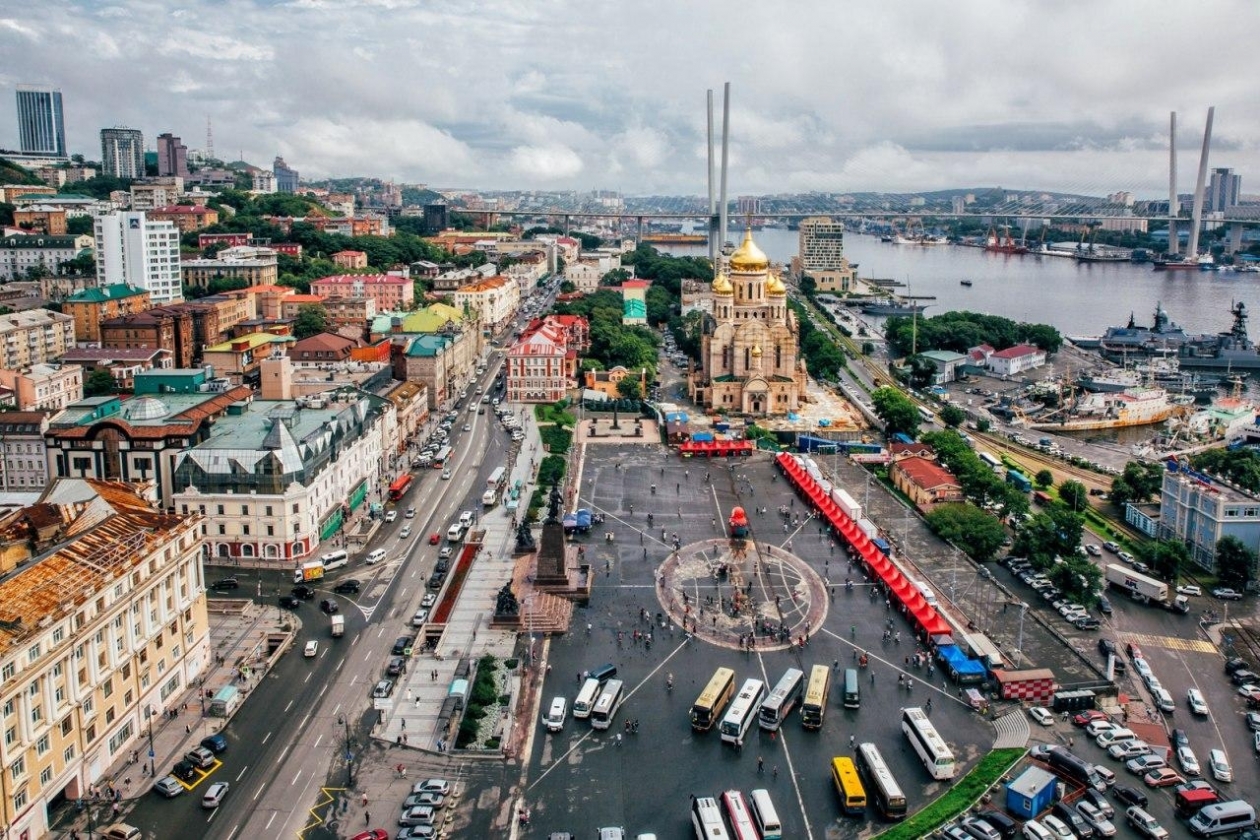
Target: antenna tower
{"x":209,"y":139}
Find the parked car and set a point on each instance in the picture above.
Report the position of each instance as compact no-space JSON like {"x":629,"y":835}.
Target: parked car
{"x":1102,"y":826}
{"x":419,"y":815}
{"x":216,"y":743}
{"x":1070,"y":817}
{"x":199,"y":757}
{"x":1143,"y":764}
{"x":441,"y":786}
{"x":1112,"y":547}
{"x":1042,"y":715}
{"x":1057,"y":828}
{"x":214,"y":795}
{"x":1088,"y":716}
{"x":446,"y":552}
{"x":396,"y":667}
{"x":401,"y":645}
{"x":185,"y":770}
{"x":1144,"y":824}
{"x":1163,"y":777}
{"x":168,"y":786}
{"x":1224,"y":593}
{"x":428,"y":600}
{"x":382,"y":689}
{"x":1099,"y":801}
{"x":1252,"y":719}
{"x":1189,"y":589}
{"x":420,"y":617}
{"x":1126,"y":750}
{"x":1194,"y":699}
{"x":1097,"y":727}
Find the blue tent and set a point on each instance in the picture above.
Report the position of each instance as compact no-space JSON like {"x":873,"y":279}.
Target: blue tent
{"x":960,"y":667}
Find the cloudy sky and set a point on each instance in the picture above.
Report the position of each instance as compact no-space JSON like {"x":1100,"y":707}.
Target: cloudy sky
{"x":912,"y":95}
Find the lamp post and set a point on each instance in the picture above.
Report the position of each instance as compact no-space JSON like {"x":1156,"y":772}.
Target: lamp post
{"x":1019,"y":643}
{"x":152,"y":766}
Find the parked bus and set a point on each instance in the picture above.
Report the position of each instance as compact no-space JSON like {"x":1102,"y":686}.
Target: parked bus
{"x":764,"y":815}
{"x":713,"y":700}
{"x":815,"y":705}
{"x":927,"y":742}
{"x":991,"y":460}
{"x":586,"y":699}
{"x":441,"y":457}
{"x":1042,"y":498}
{"x":607,"y":705}
{"x":706,"y":818}
{"x":852,"y":697}
{"x":741,"y":819}
{"x":496,"y":478}
{"x":742,"y":711}
{"x":782,"y":700}
{"x":926,"y":414}
{"x":888,"y":796}
{"x":849,"y":788}
{"x":400,"y":486}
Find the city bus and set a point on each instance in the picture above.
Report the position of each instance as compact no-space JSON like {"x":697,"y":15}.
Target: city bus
{"x":586,"y":699}
{"x":849,"y":788}
{"x":816,"y":692}
{"x":713,"y":700}
{"x":764,"y":814}
{"x":742,"y":711}
{"x":927,"y":742}
{"x":852,"y":697}
{"x":737,"y":812}
{"x":991,"y":460}
{"x":926,"y":414}
{"x":706,"y":818}
{"x":441,"y":457}
{"x":776,"y":708}
{"x":888,"y":796}
{"x":400,"y":486}
{"x":607,"y":705}
{"x":496,"y":478}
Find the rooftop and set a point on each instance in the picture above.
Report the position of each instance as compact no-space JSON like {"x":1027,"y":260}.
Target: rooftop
{"x":926,"y":474}
{"x":252,"y":341}
{"x":100,"y":294}
{"x":1018,"y":351}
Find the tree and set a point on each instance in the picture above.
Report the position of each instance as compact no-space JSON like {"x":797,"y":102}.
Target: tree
{"x":868,"y":347}
{"x":983,"y":424}
{"x":567,"y":286}
{"x":1043,"y":479}
{"x":99,"y":383}
{"x":1055,"y":532}
{"x":1235,"y":563}
{"x":953,"y":416}
{"x":922,"y":371}
{"x":1240,"y":466}
{"x":896,"y":411}
{"x":1137,"y":483}
{"x":1078,"y":579}
{"x":1074,"y":495}
{"x":1165,"y":557}
{"x":312,"y":319}
{"x":629,"y":388}
{"x":79,"y":226}
{"x":976,"y":532}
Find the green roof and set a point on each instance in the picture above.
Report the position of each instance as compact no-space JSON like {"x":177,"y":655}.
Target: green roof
{"x":100,"y":294}
{"x":430,"y":319}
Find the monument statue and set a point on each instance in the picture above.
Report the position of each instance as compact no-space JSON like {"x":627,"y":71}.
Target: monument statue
{"x":506,"y":603}
{"x":524,"y":539}
{"x":553,"y":505}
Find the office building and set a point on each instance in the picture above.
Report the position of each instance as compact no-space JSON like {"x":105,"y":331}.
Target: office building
{"x":1223,"y":191}
{"x":286,"y":179}
{"x":122,"y":152}
{"x":19,"y":253}
{"x":821,"y":244}
{"x":133,"y":249}
{"x":1199,"y":510}
{"x":172,"y":156}
{"x":41,"y":129}
{"x":436,"y":217}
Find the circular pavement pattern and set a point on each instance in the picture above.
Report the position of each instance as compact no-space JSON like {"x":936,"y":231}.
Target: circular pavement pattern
{"x":721,"y":590}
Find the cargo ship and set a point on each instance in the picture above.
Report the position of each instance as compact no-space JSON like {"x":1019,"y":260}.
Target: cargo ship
{"x":675,"y":238}
{"x":1003,"y":244}
{"x":1130,"y":407}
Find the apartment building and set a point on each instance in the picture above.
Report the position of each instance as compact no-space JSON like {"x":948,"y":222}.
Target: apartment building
{"x":389,"y":292}
{"x":34,"y":336}
{"x":23,"y":453}
{"x":187,"y":219}
{"x":91,"y":306}
{"x":495,"y":300}
{"x":19,"y":253}
{"x":141,"y":252}
{"x":259,"y":268}
{"x":101,"y":627}
{"x":44,"y":386}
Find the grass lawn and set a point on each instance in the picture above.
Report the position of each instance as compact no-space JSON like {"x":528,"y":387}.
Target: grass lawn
{"x":961,"y":797}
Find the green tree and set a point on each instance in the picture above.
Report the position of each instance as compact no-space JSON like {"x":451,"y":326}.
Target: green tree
{"x":1078,"y":579}
{"x":1240,"y":466}
{"x":953,"y":416}
{"x":629,"y":388}
{"x":1074,"y":495}
{"x":983,"y":424}
{"x":1165,"y":557}
{"x":896,"y":411}
{"x":868,"y":348}
{"x":976,"y":532}
{"x":99,"y":383}
{"x":1138,"y":482}
{"x":1055,"y":532}
{"x":312,"y":319}
{"x":79,"y":226}
{"x":567,"y":286}
{"x":1235,"y":563}
{"x":1043,"y":479}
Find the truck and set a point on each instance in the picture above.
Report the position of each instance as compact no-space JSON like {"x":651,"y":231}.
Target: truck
{"x":313,"y":570}
{"x":338,"y":626}
{"x":1145,"y":589}
{"x":847,"y":503}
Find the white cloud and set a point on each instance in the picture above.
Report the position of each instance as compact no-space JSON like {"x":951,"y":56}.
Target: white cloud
{"x":15,"y":26}
{"x":545,"y":164}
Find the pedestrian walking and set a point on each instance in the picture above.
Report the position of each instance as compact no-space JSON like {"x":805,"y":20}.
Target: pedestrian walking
{"x":776,"y":772}
{"x":761,"y":765}
{"x":618,"y":739}
{"x":852,"y":740}
{"x":367,"y":817}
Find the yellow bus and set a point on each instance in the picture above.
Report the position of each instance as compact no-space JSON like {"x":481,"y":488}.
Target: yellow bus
{"x":709,"y":705}
{"x":816,"y":692}
{"x":848,"y":785}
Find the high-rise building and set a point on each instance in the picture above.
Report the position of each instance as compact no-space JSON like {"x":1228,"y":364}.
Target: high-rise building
{"x":286,"y":178}
{"x":436,"y":218}
{"x":1223,"y":190}
{"x":122,"y":152}
{"x":133,"y":249}
{"x":748,"y":205}
{"x":41,"y":129}
{"x":172,"y":156}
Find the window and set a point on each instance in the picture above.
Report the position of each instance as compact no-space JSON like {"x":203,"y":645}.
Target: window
{"x":9,"y":669}
{"x":8,"y":707}
{"x":268,"y":510}
{"x":19,"y":800}
{"x":107,"y":689}
{"x":10,"y":736}
{"x":45,"y":776}
{"x":58,"y":635}
{"x":18,"y":768}
{"x":220,"y":510}
{"x":32,"y":654}
{"x":67,"y":754}
{"x":42,"y":745}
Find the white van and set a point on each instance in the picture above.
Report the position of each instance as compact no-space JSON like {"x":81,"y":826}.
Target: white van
{"x":554,"y":721}
{"x":925,"y":591}
{"x":335,"y":559}
{"x":375,"y":557}
{"x":1223,"y":818}
{"x":1164,"y":700}
{"x":763,"y":813}
{"x":455,"y":533}
{"x":1115,"y":736}
{"x":586,"y":699}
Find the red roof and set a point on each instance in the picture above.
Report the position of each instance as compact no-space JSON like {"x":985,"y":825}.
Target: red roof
{"x":926,"y":474}
{"x":367,"y":279}
{"x":184,"y":209}
{"x":1016,"y":352}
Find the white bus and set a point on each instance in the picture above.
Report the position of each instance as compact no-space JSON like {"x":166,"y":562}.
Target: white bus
{"x":706,"y":818}
{"x":764,"y":815}
{"x":884,"y":788}
{"x":740,"y":716}
{"x":927,"y":742}
{"x":927,"y":415}
{"x":991,"y":460}
{"x":741,"y":819}
{"x":455,"y":533}
{"x":586,"y":699}
{"x":496,"y":478}
{"x":607,"y":705}
{"x":782,"y":699}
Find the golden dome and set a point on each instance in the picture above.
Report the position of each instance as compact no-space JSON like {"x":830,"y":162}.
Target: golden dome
{"x":722,"y":286}
{"x":774,"y":286}
{"x":748,"y":257}
{"x":756,"y":351}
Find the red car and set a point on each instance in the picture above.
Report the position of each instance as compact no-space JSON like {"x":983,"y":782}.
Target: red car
{"x":372,"y":834}
{"x":1086,"y":717}
{"x":1163,"y":777}
{"x":435,"y":538}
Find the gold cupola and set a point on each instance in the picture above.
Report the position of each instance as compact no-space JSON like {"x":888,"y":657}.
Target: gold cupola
{"x":756,"y":351}
{"x":748,"y":257}
{"x":774,"y":285}
{"x":722,"y":285}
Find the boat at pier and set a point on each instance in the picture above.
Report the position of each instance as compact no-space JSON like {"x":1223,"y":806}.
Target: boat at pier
{"x":1130,"y":407}
{"x":1233,"y":350}
{"x":891,"y":306}
{"x":1003,"y":244}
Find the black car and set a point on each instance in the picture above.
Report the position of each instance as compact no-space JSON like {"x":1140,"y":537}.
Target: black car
{"x":226,"y":583}
{"x":347,"y":587}
{"x":396,"y":667}
{"x":1235,"y":664}
{"x":435,"y":580}
{"x":1129,"y":796}
{"x":185,"y":770}
{"x":1004,"y":824}
{"x":304,"y":592}
{"x":1179,"y":738}
{"x":402,"y":645}
{"x":1243,"y":676}
{"x":289,"y":602}
{"x":329,"y":606}
{"x":1074,"y":820}
{"x":1106,"y":646}
{"x":442,"y":566}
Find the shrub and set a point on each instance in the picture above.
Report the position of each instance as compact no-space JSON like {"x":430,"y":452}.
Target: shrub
{"x":550,"y":472}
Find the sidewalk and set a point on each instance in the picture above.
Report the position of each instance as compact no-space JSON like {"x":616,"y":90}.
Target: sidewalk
{"x":240,"y":631}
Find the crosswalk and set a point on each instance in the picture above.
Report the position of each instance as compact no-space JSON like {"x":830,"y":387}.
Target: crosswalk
{"x":1169,"y":642}
{"x":1012,"y":729}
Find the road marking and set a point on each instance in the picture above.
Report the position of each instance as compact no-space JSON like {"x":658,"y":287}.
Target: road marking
{"x":367,"y":656}
{"x":1170,"y":642}
{"x":235,"y":829}
{"x":355,"y":640}
{"x":308,"y":677}
{"x":295,"y":778}
{"x":325,"y":653}
{"x":212,"y":815}
{"x":290,"y":706}
{"x":380,"y":632}
{"x":340,"y":662}
{"x":242,"y":773}
{"x":305,"y":721}
{"x":336,"y":708}
{"x":320,"y":738}
{"x":322,"y":690}
{"x":283,"y":753}
{"x":266,"y":738}
{"x":273,"y":819}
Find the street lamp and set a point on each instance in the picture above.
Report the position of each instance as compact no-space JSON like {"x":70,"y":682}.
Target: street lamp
{"x":152,"y":766}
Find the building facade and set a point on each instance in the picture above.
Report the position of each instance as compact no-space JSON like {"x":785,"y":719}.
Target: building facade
{"x":165,"y":327}
{"x":749,"y":363}
{"x":390,"y":293}
{"x":91,"y":306}
{"x":34,"y":336}
{"x":924,"y":481}
{"x":23,"y":453}
{"x":1200,"y":510}
{"x":287,"y":180}
{"x":22,"y":253}
{"x":1223,"y":191}
{"x":821,"y":244}
{"x":1016,"y":360}
{"x":172,"y":156}
{"x":39,"y":219}
{"x":122,"y":152}
{"x":185,"y":218}
{"x":41,"y":125}
{"x":103,"y":626}
{"x":259,"y":269}
{"x":535,"y":368}
{"x":133,"y":249}
{"x":350,"y":259}
{"x":495,"y":300}
{"x":44,"y":387}
{"x":121,"y":364}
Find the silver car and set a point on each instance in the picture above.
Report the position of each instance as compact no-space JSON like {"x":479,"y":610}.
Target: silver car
{"x":1103,"y":827}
